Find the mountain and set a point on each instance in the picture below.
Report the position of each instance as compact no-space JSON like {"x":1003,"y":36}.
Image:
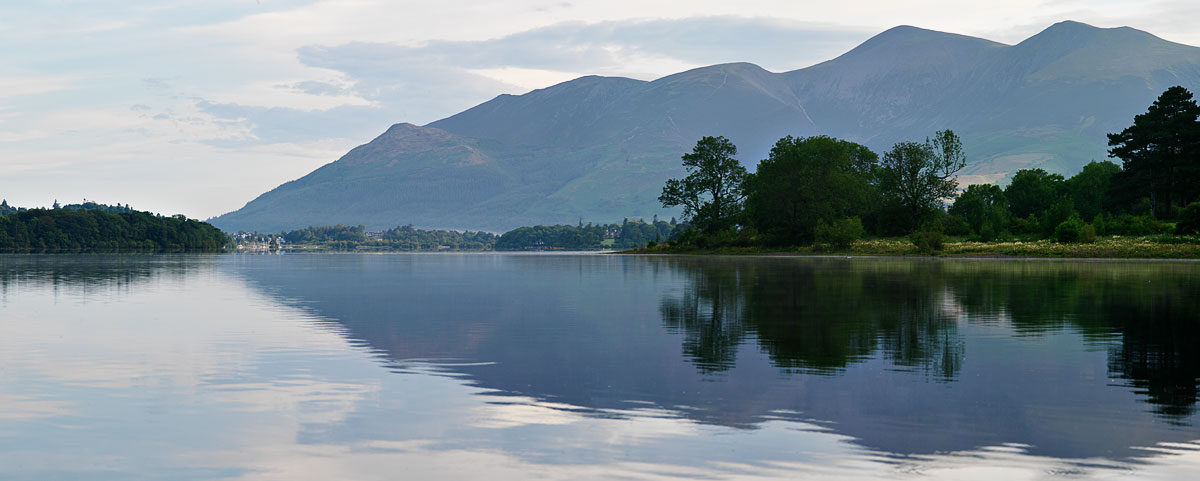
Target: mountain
{"x":600,"y":148}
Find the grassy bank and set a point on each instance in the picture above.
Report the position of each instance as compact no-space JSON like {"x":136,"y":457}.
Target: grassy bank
{"x":1116,"y":247}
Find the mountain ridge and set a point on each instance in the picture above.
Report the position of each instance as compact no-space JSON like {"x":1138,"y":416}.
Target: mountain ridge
{"x":600,"y":148}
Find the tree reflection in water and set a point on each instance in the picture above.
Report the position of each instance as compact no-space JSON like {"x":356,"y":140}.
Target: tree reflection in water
{"x":822,"y":315}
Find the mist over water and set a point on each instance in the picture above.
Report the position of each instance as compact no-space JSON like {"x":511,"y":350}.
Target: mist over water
{"x":594,"y":366}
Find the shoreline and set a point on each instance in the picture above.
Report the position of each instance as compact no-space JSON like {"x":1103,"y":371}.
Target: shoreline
{"x":1110,"y":248}
{"x":902,"y":256}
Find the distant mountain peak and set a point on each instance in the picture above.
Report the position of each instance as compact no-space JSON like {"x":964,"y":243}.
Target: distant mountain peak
{"x":1066,"y":26}
{"x":907,"y":34}
{"x":906,"y":44}
{"x":1078,"y":34}
{"x":405,"y":130}
{"x":1077,"y":50}
{"x":739,"y":69}
{"x":404,"y":138}
{"x":906,"y":30}
{"x":401,"y":128}
{"x":1071,"y":24}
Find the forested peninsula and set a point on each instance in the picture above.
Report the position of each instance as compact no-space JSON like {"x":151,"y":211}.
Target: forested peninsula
{"x":92,"y":227}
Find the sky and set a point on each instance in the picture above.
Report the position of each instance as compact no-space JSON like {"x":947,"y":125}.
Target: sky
{"x":197,"y":107}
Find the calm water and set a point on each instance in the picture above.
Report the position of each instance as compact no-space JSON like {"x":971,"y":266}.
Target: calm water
{"x":362,"y":367}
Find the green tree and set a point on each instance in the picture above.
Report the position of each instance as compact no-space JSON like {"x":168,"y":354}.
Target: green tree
{"x":1089,"y":188}
{"x":1161,"y":151}
{"x":1189,"y":220}
{"x":914,"y":177}
{"x":981,"y":204}
{"x":711,"y":195}
{"x":805,"y":181}
{"x":1032,"y":191}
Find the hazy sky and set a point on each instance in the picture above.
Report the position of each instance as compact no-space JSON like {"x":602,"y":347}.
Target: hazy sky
{"x":196,"y":107}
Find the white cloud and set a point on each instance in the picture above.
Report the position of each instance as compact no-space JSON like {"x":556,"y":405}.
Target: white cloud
{"x":21,"y":85}
{"x":281,"y":93}
{"x":525,"y":78}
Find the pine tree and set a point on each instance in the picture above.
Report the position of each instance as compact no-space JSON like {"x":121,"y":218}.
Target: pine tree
{"x":1161,"y":151}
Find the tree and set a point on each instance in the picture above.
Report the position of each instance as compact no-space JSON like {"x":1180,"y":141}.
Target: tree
{"x":915,"y":177}
{"x":806,"y":181}
{"x":1161,"y":150}
{"x":981,"y":204}
{"x":1032,"y":191}
{"x":711,"y":194}
{"x":1089,"y":188}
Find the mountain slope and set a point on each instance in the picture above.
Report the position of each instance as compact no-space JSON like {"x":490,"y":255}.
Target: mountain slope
{"x":600,"y":148}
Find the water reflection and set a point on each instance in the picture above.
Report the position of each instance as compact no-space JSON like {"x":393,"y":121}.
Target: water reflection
{"x":909,"y":357}
{"x":568,"y":367}
{"x":814,"y":316}
{"x":824,"y":314}
{"x":109,"y":273}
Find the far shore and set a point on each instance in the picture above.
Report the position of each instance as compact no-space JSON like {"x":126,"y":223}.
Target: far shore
{"x":1110,"y":248}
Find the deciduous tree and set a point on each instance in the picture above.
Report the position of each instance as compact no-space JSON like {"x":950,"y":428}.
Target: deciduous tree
{"x":1033,"y":190}
{"x":805,"y":181}
{"x":915,"y":177}
{"x":981,"y":204}
{"x":712,"y":193}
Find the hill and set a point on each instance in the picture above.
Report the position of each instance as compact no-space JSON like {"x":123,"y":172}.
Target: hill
{"x":600,"y":148}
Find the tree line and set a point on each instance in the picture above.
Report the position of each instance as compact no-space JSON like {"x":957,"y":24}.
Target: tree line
{"x":402,"y":238}
{"x":626,"y":235}
{"x":830,"y":191}
{"x":98,"y":229}
{"x":629,"y":234}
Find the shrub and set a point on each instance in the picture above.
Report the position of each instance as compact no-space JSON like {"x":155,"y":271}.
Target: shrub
{"x":987,"y":232}
{"x":840,"y":233}
{"x":1142,"y":208}
{"x":718,"y":239}
{"x":955,"y":225}
{"x":1176,"y":211}
{"x":1058,"y":213}
{"x":1189,"y":220}
{"x":688,"y":237}
{"x":1126,"y":224}
{"x":1074,"y":230}
{"x":927,"y":241}
{"x":1100,"y":223}
{"x":1069,"y":231}
{"x":1025,"y":225}
{"x":1088,"y":236}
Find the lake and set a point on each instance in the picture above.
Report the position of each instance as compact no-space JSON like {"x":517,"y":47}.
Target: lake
{"x":590,"y":366}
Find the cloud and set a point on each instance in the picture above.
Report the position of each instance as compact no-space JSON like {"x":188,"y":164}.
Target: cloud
{"x":313,"y":87}
{"x":604,"y":47}
{"x":281,"y":124}
{"x":22,"y":85}
{"x":272,"y":94}
{"x":378,"y":84}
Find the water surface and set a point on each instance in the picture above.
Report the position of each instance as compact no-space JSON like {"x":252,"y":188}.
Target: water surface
{"x":595,"y":367}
